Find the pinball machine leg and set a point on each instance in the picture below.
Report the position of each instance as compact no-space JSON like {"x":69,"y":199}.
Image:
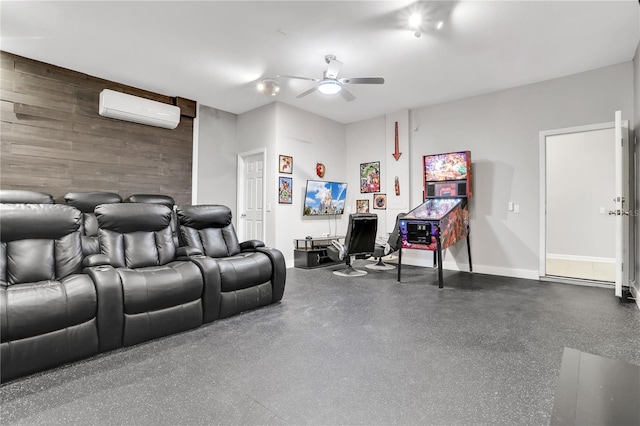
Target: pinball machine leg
{"x":469,"y":251}
{"x":439,"y":251}
{"x":399,"y":262}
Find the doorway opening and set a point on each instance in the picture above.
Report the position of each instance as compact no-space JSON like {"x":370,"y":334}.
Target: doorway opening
{"x":578,"y":239}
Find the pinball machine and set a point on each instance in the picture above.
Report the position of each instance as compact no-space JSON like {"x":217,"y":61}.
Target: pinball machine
{"x":442,"y":219}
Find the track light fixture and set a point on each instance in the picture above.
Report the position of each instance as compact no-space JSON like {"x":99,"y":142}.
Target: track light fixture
{"x":415,"y":20}
{"x":268,"y":86}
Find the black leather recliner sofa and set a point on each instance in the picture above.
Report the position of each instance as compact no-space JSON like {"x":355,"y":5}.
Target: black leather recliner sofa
{"x":58,"y":305}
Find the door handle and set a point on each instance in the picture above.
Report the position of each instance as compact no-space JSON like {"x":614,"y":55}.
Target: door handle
{"x":618,"y":213}
{"x":245,"y":215}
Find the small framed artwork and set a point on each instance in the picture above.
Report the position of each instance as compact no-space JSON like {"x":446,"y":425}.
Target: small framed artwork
{"x":285,"y":190}
{"x":370,"y":177}
{"x":286,"y":164}
{"x":380,"y":201}
{"x":362,"y":206}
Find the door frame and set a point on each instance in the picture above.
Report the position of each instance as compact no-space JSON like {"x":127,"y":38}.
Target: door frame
{"x":543,"y":193}
{"x":241,"y":193}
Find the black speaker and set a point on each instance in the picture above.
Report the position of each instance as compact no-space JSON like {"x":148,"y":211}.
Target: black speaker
{"x":431,"y":190}
{"x":462,"y":189}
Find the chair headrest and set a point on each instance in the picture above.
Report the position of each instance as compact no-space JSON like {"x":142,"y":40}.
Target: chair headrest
{"x":25,"y":197}
{"x":38,"y":221}
{"x":164,"y":200}
{"x":86,"y":202}
{"x":124,"y":218}
{"x":204,"y":216}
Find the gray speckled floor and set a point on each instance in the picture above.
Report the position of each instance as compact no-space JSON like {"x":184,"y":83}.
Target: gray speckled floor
{"x":366,"y":350}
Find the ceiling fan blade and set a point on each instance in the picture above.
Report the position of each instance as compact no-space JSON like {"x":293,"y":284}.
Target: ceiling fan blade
{"x":362,"y":80}
{"x":347,"y":95}
{"x":298,"y":78}
{"x":307,"y":92}
{"x":334,"y":68}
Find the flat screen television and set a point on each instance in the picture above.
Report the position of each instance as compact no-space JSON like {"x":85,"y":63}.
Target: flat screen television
{"x":324,"y":198}
{"x":444,"y":167}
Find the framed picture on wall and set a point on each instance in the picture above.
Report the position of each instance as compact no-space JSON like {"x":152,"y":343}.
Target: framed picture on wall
{"x":380,"y":201}
{"x":362,"y":206}
{"x":286,"y":164}
{"x":370,"y":177}
{"x":285,"y":190}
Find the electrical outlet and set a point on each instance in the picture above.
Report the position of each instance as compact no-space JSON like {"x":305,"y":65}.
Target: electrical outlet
{"x":516,"y":208}
{"x":510,"y":206}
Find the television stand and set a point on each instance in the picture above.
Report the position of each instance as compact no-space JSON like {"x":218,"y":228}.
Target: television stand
{"x":312,"y":253}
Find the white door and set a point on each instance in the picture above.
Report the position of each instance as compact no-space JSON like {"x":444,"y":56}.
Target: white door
{"x":621,"y":200}
{"x":251,"y":200}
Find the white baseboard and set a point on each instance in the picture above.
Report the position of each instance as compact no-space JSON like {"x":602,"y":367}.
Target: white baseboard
{"x":581,"y":258}
{"x":417,"y":258}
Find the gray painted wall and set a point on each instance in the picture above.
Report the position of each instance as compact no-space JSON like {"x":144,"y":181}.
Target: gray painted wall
{"x":257,"y":130}
{"x":217,"y":153}
{"x":309,"y":139}
{"x":501,"y":130}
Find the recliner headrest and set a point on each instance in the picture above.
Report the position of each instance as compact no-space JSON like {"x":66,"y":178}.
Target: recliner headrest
{"x":164,"y":200}
{"x":86,"y":202}
{"x":25,"y":197}
{"x":204,"y":216}
{"x":38,"y":221}
{"x":124,"y":218}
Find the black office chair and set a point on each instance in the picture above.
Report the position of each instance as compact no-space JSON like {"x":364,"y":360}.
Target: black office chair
{"x":360,"y":242}
{"x":385,"y":248}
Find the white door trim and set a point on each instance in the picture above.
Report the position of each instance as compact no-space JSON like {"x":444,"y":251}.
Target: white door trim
{"x":543,"y":182}
{"x":240,"y":189}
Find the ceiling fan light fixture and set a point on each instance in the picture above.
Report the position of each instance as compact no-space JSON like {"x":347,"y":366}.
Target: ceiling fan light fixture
{"x":329,"y":87}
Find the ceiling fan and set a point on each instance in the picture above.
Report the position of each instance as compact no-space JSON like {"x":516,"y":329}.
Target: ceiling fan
{"x":330,"y":84}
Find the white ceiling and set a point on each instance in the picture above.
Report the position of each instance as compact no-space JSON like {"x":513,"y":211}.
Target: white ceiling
{"x":215,"y":51}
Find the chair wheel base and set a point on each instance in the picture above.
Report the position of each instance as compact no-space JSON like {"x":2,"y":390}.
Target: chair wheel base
{"x":350,"y":272}
{"x":379,"y":267}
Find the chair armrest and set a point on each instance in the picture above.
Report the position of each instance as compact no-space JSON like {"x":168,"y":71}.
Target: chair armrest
{"x":185,"y":252}
{"x":251,"y":245}
{"x":340,"y":247}
{"x":110,"y":312}
{"x":95,"y":260}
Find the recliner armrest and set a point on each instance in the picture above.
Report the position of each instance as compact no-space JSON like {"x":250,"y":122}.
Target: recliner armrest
{"x":95,"y":260}
{"x":251,"y":245}
{"x":185,"y":252}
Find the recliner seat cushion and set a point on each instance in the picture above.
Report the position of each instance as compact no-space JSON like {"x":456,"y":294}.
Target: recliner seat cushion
{"x":42,"y":307}
{"x":160,"y":287}
{"x":244,"y":270}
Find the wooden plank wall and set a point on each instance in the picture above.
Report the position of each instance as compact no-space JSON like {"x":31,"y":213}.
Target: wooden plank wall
{"x":54,"y":141}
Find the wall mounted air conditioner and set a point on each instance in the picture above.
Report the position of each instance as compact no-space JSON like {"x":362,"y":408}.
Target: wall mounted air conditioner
{"x":138,"y":110}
